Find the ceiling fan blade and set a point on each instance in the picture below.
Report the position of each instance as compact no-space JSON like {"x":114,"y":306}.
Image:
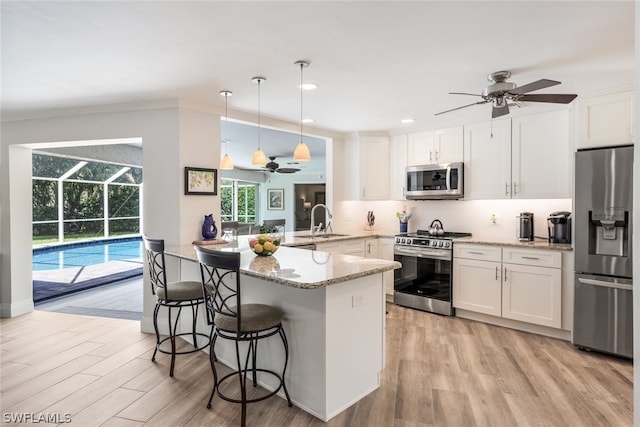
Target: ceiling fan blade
{"x":464,"y":106}
{"x":499,"y":111}
{"x":548,"y":97}
{"x":464,"y":93}
{"x":533,"y":86}
{"x":287,"y":170}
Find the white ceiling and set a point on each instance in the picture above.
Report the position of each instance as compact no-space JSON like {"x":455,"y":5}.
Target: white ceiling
{"x":375,"y":62}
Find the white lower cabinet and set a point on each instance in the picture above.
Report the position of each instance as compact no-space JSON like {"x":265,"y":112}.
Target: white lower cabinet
{"x":527,"y":289}
{"x":385,"y":251}
{"x":532,"y":294}
{"x":477,"y":286}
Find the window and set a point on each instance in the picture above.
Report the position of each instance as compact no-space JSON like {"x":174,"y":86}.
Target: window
{"x":75,"y":199}
{"x":238,"y":201}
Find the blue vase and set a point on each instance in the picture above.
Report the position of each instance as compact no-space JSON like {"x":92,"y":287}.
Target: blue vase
{"x":209,"y":229}
{"x":403,"y":227}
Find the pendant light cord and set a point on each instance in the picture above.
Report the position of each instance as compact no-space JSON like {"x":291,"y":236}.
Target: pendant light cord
{"x":301,"y":104}
{"x":259,"y":146}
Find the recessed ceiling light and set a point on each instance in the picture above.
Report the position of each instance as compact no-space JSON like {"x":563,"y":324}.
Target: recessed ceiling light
{"x":309,"y":86}
{"x":307,"y":120}
{"x":408,"y":120}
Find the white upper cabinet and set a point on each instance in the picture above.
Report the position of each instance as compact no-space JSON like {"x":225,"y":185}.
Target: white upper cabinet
{"x":540,"y":163}
{"x":605,"y":119}
{"x":438,"y":146}
{"x":448,"y":145}
{"x":487,"y":160}
{"x":525,"y":157}
{"x":367,"y":170}
{"x":397,"y":166}
{"x":420,"y":148}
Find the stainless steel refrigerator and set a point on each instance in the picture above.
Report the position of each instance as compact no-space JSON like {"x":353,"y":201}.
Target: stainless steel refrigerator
{"x":603,"y":310}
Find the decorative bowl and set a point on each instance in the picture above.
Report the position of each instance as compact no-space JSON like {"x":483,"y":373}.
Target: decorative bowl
{"x":264,"y":245}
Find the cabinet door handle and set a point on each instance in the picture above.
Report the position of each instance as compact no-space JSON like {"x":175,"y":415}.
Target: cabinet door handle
{"x":430,"y":154}
{"x":476,"y":253}
{"x":496,"y":273}
{"x":505,"y":274}
{"x":506,"y":188}
{"x":437,"y":154}
{"x":530,"y":257}
{"x":515,"y":187}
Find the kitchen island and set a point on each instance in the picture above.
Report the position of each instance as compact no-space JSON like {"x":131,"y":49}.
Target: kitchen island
{"x":334,"y":319}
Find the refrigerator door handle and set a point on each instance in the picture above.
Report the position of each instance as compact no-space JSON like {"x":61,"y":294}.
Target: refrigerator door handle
{"x":624,"y":286}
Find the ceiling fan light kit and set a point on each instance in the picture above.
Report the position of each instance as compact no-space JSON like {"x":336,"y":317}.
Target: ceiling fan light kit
{"x":259,"y":159}
{"x":226,"y":163}
{"x":502,"y":94}
{"x":301,"y":153}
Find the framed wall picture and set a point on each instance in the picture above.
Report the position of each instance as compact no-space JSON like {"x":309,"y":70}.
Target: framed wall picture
{"x":275,"y":199}
{"x":200,"y":181}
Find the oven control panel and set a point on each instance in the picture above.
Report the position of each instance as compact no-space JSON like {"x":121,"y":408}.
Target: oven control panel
{"x":422,"y":242}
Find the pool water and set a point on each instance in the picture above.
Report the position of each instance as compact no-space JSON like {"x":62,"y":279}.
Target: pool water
{"x":87,"y":253}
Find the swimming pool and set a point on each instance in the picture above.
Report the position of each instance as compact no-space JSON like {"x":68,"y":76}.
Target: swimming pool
{"x":83,"y":254}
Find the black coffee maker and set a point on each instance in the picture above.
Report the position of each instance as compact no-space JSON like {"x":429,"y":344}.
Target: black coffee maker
{"x":559,"y":224}
{"x":525,"y":228}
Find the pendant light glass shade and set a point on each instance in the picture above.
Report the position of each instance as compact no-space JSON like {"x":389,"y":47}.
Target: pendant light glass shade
{"x":301,"y":153}
{"x":259,"y":158}
{"x":226,"y":163}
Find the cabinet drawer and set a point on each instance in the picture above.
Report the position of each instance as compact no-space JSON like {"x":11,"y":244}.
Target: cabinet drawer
{"x":540,"y":257}
{"x":353,"y":247}
{"x":479,"y":252}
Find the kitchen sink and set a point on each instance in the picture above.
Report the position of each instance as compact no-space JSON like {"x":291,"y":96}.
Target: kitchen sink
{"x":320,"y":235}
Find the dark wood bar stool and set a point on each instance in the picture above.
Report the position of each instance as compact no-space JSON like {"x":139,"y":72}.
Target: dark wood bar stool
{"x":238,"y":322}
{"x":172,"y":295}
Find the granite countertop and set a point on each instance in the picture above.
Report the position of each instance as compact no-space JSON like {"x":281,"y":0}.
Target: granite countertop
{"x":536,"y":244}
{"x":299,"y":268}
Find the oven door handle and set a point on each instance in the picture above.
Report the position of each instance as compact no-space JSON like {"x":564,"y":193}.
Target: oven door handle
{"x":423,"y":254}
{"x":448,"y":183}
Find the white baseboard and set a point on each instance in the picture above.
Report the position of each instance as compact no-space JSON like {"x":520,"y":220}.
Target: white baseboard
{"x":16,"y":308}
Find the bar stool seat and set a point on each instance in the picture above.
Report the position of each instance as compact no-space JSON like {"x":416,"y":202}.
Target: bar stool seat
{"x":181,"y":291}
{"x":255,"y":317}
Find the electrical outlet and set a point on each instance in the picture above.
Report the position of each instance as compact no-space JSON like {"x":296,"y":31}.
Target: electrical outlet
{"x":357,"y":300}
{"x":493,"y":219}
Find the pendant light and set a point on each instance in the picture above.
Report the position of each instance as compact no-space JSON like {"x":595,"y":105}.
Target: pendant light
{"x":259,"y":159}
{"x":301,"y":154}
{"x":226,"y":163}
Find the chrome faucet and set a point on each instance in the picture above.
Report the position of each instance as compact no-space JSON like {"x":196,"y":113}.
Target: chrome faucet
{"x":315,"y":228}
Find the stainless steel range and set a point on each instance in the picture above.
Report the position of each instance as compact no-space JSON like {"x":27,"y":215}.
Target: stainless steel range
{"x":424,"y":282}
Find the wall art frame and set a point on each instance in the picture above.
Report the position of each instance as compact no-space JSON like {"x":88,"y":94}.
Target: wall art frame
{"x":275,"y":199}
{"x":200,"y":181}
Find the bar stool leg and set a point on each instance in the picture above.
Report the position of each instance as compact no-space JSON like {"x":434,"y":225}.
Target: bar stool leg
{"x":286,"y":361}
{"x":155,"y":326}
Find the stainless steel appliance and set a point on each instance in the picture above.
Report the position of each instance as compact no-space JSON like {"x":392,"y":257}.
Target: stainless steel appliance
{"x":525,"y":229}
{"x":603,"y":312}
{"x":424,"y":282}
{"x":444,"y":181}
{"x":559,"y":225}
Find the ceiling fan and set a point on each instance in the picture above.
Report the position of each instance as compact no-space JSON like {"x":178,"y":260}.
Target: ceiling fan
{"x":272,"y":167}
{"x":502,"y":94}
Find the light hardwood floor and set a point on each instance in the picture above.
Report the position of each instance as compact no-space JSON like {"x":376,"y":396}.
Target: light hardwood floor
{"x":440,"y":372}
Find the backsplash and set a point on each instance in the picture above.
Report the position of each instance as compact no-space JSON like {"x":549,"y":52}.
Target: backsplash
{"x":472,"y":216}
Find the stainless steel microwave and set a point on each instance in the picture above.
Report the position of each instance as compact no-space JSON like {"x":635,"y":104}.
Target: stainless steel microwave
{"x":443,"y":181}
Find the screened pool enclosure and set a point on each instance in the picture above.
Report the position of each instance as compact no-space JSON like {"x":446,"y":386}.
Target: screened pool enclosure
{"x":74,"y":199}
